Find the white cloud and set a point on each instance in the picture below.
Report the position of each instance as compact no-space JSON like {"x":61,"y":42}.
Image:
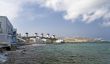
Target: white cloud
{"x":106,"y":19}
{"x":11,"y":8}
{"x":106,"y":24}
{"x":89,"y":10}
{"x":98,"y":14}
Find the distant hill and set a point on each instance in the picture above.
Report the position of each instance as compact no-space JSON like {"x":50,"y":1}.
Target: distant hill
{"x":82,"y":39}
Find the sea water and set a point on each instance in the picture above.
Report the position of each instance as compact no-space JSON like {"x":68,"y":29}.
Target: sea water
{"x":80,"y":53}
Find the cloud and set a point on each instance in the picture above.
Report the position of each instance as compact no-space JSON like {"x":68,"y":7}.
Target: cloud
{"x":11,"y":8}
{"x":88,"y":10}
{"x":106,"y":24}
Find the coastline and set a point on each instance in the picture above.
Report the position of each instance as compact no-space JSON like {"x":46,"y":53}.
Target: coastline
{"x":57,"y":54}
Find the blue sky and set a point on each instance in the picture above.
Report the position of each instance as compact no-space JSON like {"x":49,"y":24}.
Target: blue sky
{"x":62,"y":20}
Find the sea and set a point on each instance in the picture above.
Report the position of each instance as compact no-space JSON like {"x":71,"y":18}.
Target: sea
{"x":76,"y":53}
{"x":66,"y":53}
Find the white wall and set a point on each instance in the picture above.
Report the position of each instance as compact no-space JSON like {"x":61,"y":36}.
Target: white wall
{"x":7,"y":29}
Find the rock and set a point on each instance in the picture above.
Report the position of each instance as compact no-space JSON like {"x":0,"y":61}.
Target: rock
{"x":3,"y":57}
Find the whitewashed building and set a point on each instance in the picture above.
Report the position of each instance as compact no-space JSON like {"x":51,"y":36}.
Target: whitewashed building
{"x":7,"y":33}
